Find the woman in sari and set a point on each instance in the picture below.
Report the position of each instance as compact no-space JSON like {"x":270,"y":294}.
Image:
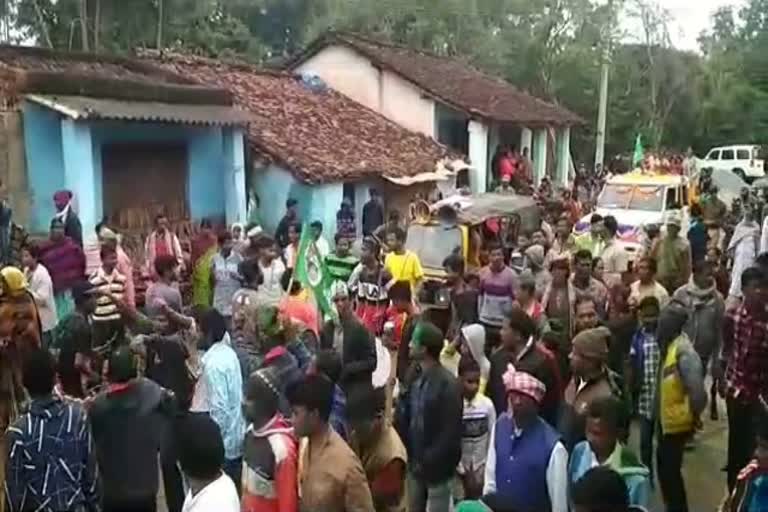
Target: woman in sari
{"x":20,"y":332}
{"x":203,"y":250}
{"x":65,"y":261}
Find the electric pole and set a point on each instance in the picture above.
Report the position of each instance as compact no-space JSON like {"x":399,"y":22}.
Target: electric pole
{"x":602,"y":110}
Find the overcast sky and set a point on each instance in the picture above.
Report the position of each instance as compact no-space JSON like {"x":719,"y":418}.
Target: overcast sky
{"x":690,"y":17}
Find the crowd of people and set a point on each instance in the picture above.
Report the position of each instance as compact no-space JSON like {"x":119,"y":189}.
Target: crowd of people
{"x":242,"y":395}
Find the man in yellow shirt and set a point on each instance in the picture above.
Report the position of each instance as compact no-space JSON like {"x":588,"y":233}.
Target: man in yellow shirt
{"x":402,"y":264}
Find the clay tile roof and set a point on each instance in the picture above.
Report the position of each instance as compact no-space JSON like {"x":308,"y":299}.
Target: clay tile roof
{"x":450,"y":80}
{"x":25,"y":70}
{"x":318,"y":134}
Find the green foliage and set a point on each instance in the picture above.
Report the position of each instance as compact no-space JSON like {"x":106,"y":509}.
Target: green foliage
{"x":551,"y":48}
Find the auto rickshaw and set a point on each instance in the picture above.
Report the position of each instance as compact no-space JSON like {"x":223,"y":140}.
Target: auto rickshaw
{"x":464,"y":225}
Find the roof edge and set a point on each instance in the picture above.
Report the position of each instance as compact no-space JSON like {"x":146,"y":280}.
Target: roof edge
{"x":80,"y":84}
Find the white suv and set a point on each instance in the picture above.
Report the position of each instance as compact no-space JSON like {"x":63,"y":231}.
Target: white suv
{"x":744,"y":160}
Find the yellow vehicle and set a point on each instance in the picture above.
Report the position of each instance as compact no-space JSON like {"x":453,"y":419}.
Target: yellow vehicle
{"x":464,"y":224}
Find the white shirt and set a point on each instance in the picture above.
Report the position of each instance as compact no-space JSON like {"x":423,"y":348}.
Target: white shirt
{"x":557,"y":474}
{"x":219,"y":496}
{"x":41,"y":288}
{"x":323,"y":248}
{"x":271,"y":290}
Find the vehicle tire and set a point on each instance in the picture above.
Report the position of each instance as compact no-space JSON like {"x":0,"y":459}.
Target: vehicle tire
{"x":740,"y":173}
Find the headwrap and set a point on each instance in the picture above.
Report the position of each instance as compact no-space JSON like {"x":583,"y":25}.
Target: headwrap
{"x":593,"y":343}
{"x":107,"y":234}
{"x":62,"y":195}
{"x":15,"y":282}
{"x":241,"y":236}
{"x":525,"y":383}
{"x":535,"y":255}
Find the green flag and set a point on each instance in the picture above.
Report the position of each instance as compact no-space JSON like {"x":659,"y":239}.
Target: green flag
{"x":311,"y":271}
{"x":639,"y":154}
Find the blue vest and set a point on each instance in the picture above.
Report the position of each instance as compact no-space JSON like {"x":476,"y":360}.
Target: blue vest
{"x":521,"y":463}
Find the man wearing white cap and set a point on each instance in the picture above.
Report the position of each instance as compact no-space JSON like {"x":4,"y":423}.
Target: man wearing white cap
{"x":673,"y":255}
{"x":527,"y":464}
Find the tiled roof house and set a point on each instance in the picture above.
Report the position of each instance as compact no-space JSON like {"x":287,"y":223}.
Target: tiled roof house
{"x":310,"y":142}
{"x":443,"y":97}
{"x":127,"y":138}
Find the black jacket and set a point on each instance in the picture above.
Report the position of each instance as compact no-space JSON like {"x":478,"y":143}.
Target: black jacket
{"x":128,"y":429}
{"x":433,"y":440}
{"x":73,"y":229}
{"x":358,"y":356}
{"x":373,"y":217}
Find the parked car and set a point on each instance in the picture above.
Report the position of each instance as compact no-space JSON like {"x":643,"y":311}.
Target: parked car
{"x":745,"y":160}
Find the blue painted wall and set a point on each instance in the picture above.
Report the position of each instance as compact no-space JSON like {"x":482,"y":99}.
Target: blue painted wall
{"x":275,"y":185}
{"x":45,"y":162}
{"x":208,"y":158}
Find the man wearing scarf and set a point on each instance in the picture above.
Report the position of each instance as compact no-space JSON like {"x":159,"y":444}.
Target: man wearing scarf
{"x":706,"y":309}
{"x":12,"y":237}
{"x":743,"y":249}
{"x":527,"y":464}
{"x":162,"y":241}
{"x":66,"y":214}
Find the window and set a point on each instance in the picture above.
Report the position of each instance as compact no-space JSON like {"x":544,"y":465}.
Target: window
{"x":647,"y":198}
{"x":742,"y":154}
{"x":672,"y":203}
{"x":714,"y":155}
{"x":727,"y":154}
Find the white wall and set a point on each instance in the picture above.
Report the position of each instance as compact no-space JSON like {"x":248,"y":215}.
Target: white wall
{"x":355,"y":76}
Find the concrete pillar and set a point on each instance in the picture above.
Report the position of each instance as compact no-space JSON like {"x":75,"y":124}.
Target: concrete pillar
{"x":539,"y":155}
{"x":526,"y":140}
{"x":478,"y":155}
{"x":235,"y":199}
{"x":82,"y":178}
{"x":563,"y":154}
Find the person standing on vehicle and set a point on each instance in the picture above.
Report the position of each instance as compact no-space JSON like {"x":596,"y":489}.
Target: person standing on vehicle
{"x":673,"y":255}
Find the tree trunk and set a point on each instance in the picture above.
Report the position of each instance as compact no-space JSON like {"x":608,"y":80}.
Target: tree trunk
{"x":43,"y":25}
{"x":84,"y":25}
{"x":160,"y":20}
{"x":97,"y":26}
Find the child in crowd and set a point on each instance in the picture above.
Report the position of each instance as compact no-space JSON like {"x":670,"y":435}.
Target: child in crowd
{"x":605,"y":421}
{"x":751,"y":491}
{"x":478,"y":419}
{"x":470,"y":343}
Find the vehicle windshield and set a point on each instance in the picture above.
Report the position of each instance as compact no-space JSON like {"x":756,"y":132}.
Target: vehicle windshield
{"x":432,"y":243}
{"x":632,"y":197}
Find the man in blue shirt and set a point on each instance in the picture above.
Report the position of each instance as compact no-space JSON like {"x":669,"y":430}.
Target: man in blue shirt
{"x":222,"y":387}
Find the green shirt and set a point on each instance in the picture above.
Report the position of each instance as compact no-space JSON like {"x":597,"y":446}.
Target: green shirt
{"x":340,"y":268}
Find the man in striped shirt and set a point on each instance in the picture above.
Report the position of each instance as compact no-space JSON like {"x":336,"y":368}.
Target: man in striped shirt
{"x":340,"y":263}
{"x":108,"y":284}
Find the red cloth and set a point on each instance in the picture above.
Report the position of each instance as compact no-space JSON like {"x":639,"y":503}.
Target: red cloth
{"x":745,"y":343}
{"x":302,"y":311}
{"x":270,"y":480}
{"x":398,"y":318}
{"x":507,"y":167}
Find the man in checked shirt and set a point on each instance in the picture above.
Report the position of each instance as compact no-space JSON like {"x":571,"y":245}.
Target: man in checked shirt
{"x":745,"y":360}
